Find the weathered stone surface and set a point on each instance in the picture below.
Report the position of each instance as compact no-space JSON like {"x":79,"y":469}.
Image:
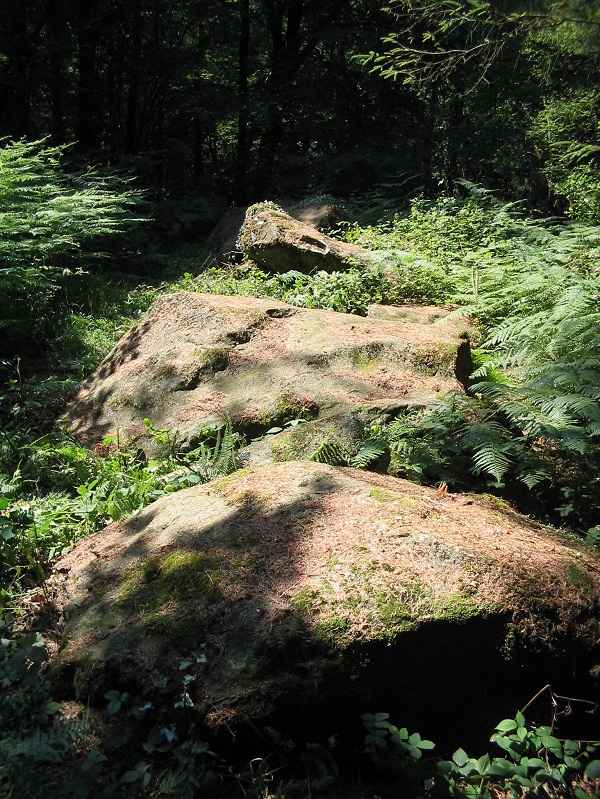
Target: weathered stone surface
{"x":279,"y":243}
{"x":196,"y":359}
{"x":417,"y":314}
{"x":288,"y":578}
{"x":223,"y":239}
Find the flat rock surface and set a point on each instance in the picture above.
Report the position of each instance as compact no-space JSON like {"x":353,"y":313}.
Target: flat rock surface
{"x":197,"y":359}
{"x":276,"y":577}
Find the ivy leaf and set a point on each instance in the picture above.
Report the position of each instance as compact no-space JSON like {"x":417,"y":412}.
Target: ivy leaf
{"x":130,"y":776}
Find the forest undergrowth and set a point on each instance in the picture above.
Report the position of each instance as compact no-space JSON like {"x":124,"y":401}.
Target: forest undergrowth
{"x":527,"y":429}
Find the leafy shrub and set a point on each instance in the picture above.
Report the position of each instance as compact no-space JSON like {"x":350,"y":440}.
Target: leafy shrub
{"x":531,"y":762}
{"x":566,"y":133}
{"x":397,"y":279}
{"x":581,"y":190}
{"x":32,"y":733}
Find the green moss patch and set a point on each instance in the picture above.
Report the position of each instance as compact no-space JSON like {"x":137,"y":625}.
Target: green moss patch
{"x":368,"y":602}
{"x":292,"y":406}
{"x":435,"y":359}
{"x":580,"y":578}
{"x":367,"y":357}
{"x":384,"y":495}
{"x":457,"y":608}
{"x":160,"y":582}
{"x":214,"y":359}
{"x":287,"y":407}
{"x":221,"y":486}
{"x":292,"y":446}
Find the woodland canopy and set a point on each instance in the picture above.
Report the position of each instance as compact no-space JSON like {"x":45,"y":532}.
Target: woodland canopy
{"x":241,"y":100}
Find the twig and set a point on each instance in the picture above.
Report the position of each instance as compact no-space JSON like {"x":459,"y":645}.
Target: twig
{"x":539,"y":693}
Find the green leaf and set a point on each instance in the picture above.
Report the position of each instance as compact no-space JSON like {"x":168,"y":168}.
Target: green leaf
{"x":460,"y":757}
{"x":571,"y":747}
{"x":592,"y":771}
{"x":508,"y":725}
{"x":553,"y":745}
{"x":502,"y":741}
{"x":130,"y":776}
{"x":483,"y":763}
{"x":547,"y":777}
{"x":523,"y":780}
{"x":534,"y":762}
{"x":496,"y":769}
{"x":379,"y":738}
{"x":113,"y":707}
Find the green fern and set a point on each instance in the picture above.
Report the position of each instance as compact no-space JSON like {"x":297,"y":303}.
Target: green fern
{"x":44,"y":745}
{"x":368,"y":453}
{"x":218,"y":458}
{"x":330,"y":451}
{"x":489,"y":442}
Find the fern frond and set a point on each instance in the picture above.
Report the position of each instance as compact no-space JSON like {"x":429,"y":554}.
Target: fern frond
{"x":575,"y":153}
{"x":368,"y":453}
{"x":489,"y":442}
{"x":531,"y":478}
{"x":330,"y":451}
{"x":291,"y":277}
{"x":43,"y":746}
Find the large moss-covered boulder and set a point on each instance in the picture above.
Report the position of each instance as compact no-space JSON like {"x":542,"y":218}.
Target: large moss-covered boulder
{"x":197,"y":359}
{"x":278,"y":242}
{"x":308,"y":590}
